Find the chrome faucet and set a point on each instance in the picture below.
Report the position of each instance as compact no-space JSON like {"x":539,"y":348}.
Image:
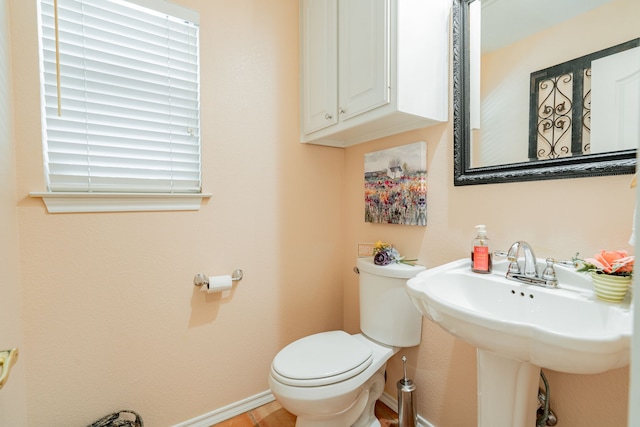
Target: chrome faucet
{"x":530,"y":269}
{"x":529,"y":273}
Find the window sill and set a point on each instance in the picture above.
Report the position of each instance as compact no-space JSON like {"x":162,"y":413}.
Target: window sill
{"x":70,"y":202}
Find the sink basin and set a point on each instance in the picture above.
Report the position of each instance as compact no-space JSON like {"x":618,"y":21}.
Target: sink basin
{"x":566,"y":329}
{"x":520,"y":328}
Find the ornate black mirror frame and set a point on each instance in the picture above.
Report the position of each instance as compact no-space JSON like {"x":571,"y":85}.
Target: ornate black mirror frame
{"x":614,"y":163}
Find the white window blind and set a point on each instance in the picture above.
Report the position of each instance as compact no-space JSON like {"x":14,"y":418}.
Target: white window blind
{"x":122,"y":115}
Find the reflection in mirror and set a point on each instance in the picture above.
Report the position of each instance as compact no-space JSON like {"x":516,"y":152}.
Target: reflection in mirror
{"x":563,"y":98}
{"x":495,"y":136}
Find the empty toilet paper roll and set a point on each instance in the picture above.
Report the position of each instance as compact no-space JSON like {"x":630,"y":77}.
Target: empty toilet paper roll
{"x":218,"y":284}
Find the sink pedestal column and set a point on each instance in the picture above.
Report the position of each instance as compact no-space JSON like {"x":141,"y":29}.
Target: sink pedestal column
{"x":507,"y":391}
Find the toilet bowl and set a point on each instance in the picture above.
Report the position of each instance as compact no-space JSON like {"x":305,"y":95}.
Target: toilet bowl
{"x":333,"y":379}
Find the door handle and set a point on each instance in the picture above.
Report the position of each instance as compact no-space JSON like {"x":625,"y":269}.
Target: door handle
{"x":7,"y":359}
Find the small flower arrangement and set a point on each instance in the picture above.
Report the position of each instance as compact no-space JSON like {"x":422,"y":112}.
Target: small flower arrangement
{"x":613,"y":263}
{"x":385,"y":254}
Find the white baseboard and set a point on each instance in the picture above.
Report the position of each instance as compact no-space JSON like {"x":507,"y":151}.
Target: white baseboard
{"x":392,"y":403}
{"x":260,"y":399}
{"x":229,"y":411}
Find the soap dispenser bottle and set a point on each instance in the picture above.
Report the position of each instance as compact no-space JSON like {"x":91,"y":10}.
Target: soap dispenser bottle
{"x":481,"y":261}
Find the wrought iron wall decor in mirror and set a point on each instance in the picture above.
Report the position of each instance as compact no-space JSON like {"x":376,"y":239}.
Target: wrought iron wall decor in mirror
{"x":493,"y":132}
{"x":560,"y":104}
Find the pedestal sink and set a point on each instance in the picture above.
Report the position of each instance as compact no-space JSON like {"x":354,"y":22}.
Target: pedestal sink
{"x":519,"y":328}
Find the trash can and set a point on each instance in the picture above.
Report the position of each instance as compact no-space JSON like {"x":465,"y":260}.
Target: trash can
{"x":124,"y":418}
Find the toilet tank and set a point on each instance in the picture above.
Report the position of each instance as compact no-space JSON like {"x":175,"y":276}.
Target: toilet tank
{"x":387,"y":314}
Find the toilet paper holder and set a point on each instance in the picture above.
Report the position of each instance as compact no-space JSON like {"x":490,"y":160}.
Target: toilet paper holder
{"x":202,"y":279}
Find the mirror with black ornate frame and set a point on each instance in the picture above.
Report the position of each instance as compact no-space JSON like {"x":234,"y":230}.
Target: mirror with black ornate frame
{"x":598,"y":164}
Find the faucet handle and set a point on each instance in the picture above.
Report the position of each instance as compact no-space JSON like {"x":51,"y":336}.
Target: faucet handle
{"x":514,"y":267}
{"x":549,"y":274}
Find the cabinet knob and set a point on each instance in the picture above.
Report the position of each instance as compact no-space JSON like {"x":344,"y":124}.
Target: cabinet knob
{"x":341,"y":111}
{"x":328,"y":116}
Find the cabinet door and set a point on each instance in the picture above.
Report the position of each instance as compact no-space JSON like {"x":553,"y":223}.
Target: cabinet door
{"x":363,"y":56}
{"x":319,"y":62}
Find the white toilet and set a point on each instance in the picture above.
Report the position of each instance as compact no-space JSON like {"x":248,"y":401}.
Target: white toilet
{"x":333,"y":379}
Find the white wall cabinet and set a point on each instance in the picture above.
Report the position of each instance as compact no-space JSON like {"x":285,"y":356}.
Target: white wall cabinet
{"x":372,"y":68}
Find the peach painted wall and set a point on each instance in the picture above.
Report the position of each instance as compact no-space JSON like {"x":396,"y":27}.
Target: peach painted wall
{"x":558,"y":218}
{"x":112,"y":320}
{"x":12,"y":395}
{"x":111,"y":317}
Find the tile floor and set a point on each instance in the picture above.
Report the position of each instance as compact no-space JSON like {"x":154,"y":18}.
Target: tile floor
{"x":274,"y":415}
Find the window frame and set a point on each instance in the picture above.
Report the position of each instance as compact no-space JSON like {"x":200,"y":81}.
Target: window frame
{"x":122,"y":201}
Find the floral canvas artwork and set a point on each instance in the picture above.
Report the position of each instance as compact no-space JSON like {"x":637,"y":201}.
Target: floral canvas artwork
{"x":395,"y":185}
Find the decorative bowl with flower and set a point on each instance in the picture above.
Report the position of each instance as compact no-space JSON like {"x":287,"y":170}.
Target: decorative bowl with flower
{"x":611,"y":273}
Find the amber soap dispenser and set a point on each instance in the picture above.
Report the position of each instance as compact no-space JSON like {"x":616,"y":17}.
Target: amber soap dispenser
{"x":481,"y":261}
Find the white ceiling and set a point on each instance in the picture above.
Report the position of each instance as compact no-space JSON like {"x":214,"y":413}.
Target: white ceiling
{"x":506,"y":21}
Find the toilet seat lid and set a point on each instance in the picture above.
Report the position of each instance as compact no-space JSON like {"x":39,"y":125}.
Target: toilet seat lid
{"x":322,"y":359}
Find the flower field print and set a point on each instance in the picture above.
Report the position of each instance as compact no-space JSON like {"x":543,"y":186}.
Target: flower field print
{"x":395,"y":185}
